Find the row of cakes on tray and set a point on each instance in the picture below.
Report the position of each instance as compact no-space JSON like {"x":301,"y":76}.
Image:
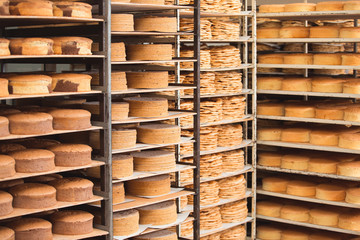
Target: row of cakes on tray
{"x":46,"y":8}
{"x":329,"y":216}
{"x":345,"y":59}
{"x":336,"y":136}
{"x":309,"y":7}
{"x":309,"y":32}
{"x":330,"y":109}
{"x":317,"y":162}
{"x":313,"y":188}
{"x":311,"y":84}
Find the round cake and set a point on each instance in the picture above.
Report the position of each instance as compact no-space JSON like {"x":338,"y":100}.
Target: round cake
{"x":147,"y":79}
{"x":322,"y":165}
{"x":324,"y":138}
{"x":158,"y":134}
{"x":350,"y":169}
{"x":299,"y":110}
{"x":269,"y":159}
{"x":324,"y":32}
{"x":267,"y":208}
{"x":147,"y":106}
{"x":301,"y":188}
{"x":327,"y":84}
{"x":272,"y":8}
{"x":73,"y":189}
{"x":118,"y":81}
{"x":351,"y":5}
{"x":295,"y":213}
{"x":71,"y":155}
{"x":298,"y":135}
{"x":268,"y":232}
{"x":291,"y":234}
{"x":296,"y":84}
{"x":126,"y":222}
{"x":330,"y":192}
{"x":31,"y":8}
{"x":4,"y":126}
{"x":31,"y":229}
{"x":122,"y":22}
{"x":295,"y":162}
{"x":123,"y":138}
{"x":30,"y":123}
{"x":7,"y":233}
{"x":352,"y":114}
{"x":72,"y":222}
{"x":332,"y":112}
{"x":349,"y":32}
{"x":152,"y":161}
{"x":353,"y":195}
{"x":30,"y":84}
{"x":271,"y":58}
{"x":269,"y":134}
{"x":33,"y":160}
{"x":150,"y":186}
{"x":351,"y":86}
{"x":159,"y":213}
{"x":72,"y":45}
{"x":119,"y":110}
{"x":298,"y":58}
{"x":327,"y":59}
{"x":122,"y":166}
{"x":294,"y":32}
{"x":33,"y":195}
{"x":270,"y":108}
{"x":268,"y":33}
{"x":330,"y":6}
{"x":70,"y":119}
{"x":269,"y":83}
{"x":7,"y":166}
{"x":118,"y":192}
{"x":72,"y":9}
{"x":155,"y":24}
{"x":31,"y":46}
{"x":300,"y":7}
{"x":324,"y":216}
{"x":4,"y":44}
{"x":149,"y":52}
{"x":350,"y":59}
{"x":350,"y":141}
{"x":158,"y":235}
{"x":71,"y":82}
{"x":274,"y":184}
{"x":5,"y":203}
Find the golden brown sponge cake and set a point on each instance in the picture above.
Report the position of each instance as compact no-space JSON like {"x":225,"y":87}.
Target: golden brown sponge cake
{"x":71,"y":82}
{"x":31,"y":229}
{"x":72,"y":9}
{"x":31,"y":7}
{"x":158,"y":133}
{"x":71,"y":119}
{"x":71,"y":155}
{"x":4,"y":45}
{"x":30,"y":84}
{"x":73,"y":189}
{"x":4,"y":126}
{"x":150,"y":186}
{"x":33,"y":160}
{"x":72,"y":222}
{"x":6,"y":200}
{"x":7,"y":233}
{"x":72,"y":45}
{"x":158,"y":214}
{"x":31,"y":46}
{"x":7,"y":166}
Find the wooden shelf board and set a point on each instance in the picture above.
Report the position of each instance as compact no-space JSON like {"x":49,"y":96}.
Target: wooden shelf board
{"x":141,"y":202}
{"x":154,"y":61}
{"x":245,"y":143}
{"x":55,"y":132}
{"x":315,"y":94}
{"x":247,"y":168}
{"x":150,"y":90}
{"x":143,"y":146}
{"x":172,"y":115}
{"x":298,"y":66}
{"x":259,"y":190}
{"x":243,"y":66}
{"x":308,"y":40}
{"x":14,"y":57}
{"x":139,"y":33}
{"x":53,"y":94}
{"x":223,"y":122}
{"x":9,"y":20}
{"x":309,"y":225}
{"x":282,"y":170}
{"x":56,"y":170}
{"x":128,"y":7}
{"x":310,"y":120}
{"x":95,"y":233}
{"x":22,"y":211}
{"x":307,"y":146}
{"x":312,"y":15}
{"x":138,"y":175}
{"x":225,"y":226}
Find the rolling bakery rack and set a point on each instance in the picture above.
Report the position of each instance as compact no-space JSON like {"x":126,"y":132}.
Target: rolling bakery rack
{"x":294,"y":148}
{"x":97,"y":29}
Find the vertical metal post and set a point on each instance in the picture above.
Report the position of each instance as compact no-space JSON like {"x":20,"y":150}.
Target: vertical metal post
{"x":197,"y":119}
{"x":106,"y":175}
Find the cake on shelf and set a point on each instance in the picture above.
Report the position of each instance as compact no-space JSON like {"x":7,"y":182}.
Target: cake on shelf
{"x":155,"y":24}
{"x":147,"y":106}
{"x":7,"y":166}
{"x":4,"y":45}
{"x":71,"y":155}
{"x":70,"y":119}
{"x":149,"y":52}
{"x":6,"y":200}
{"x":152,"y":161}
{"x":72,"y":222}
{"x":31,"y":8}
{"x":150,"y":186}
{"x":31,"y":46}
{"x":158,"y":235}
{"x":73,"y":189}
{"x":31,"y":228}
{"x":4,"y":126}
{"x":72,"y":45}
{"x":153,"y":79}
{"x":33,"y":160}
{"x":126,"y":222}
{"x":158,"y":214}
{"x":72,"y":9}
{"x":71,"y":82}
{"x":33,"y":195}
{"x":158,"y":134}
{"x":30,"y":123}
{"x":30,"y":84}
{"x":122,"y":22}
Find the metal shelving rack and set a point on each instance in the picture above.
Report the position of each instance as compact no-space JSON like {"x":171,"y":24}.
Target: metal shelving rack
{"x":95,"y":28}
{"x":158,"y":37}
{"x":245,"y":42}
{"x":306,"y":16}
